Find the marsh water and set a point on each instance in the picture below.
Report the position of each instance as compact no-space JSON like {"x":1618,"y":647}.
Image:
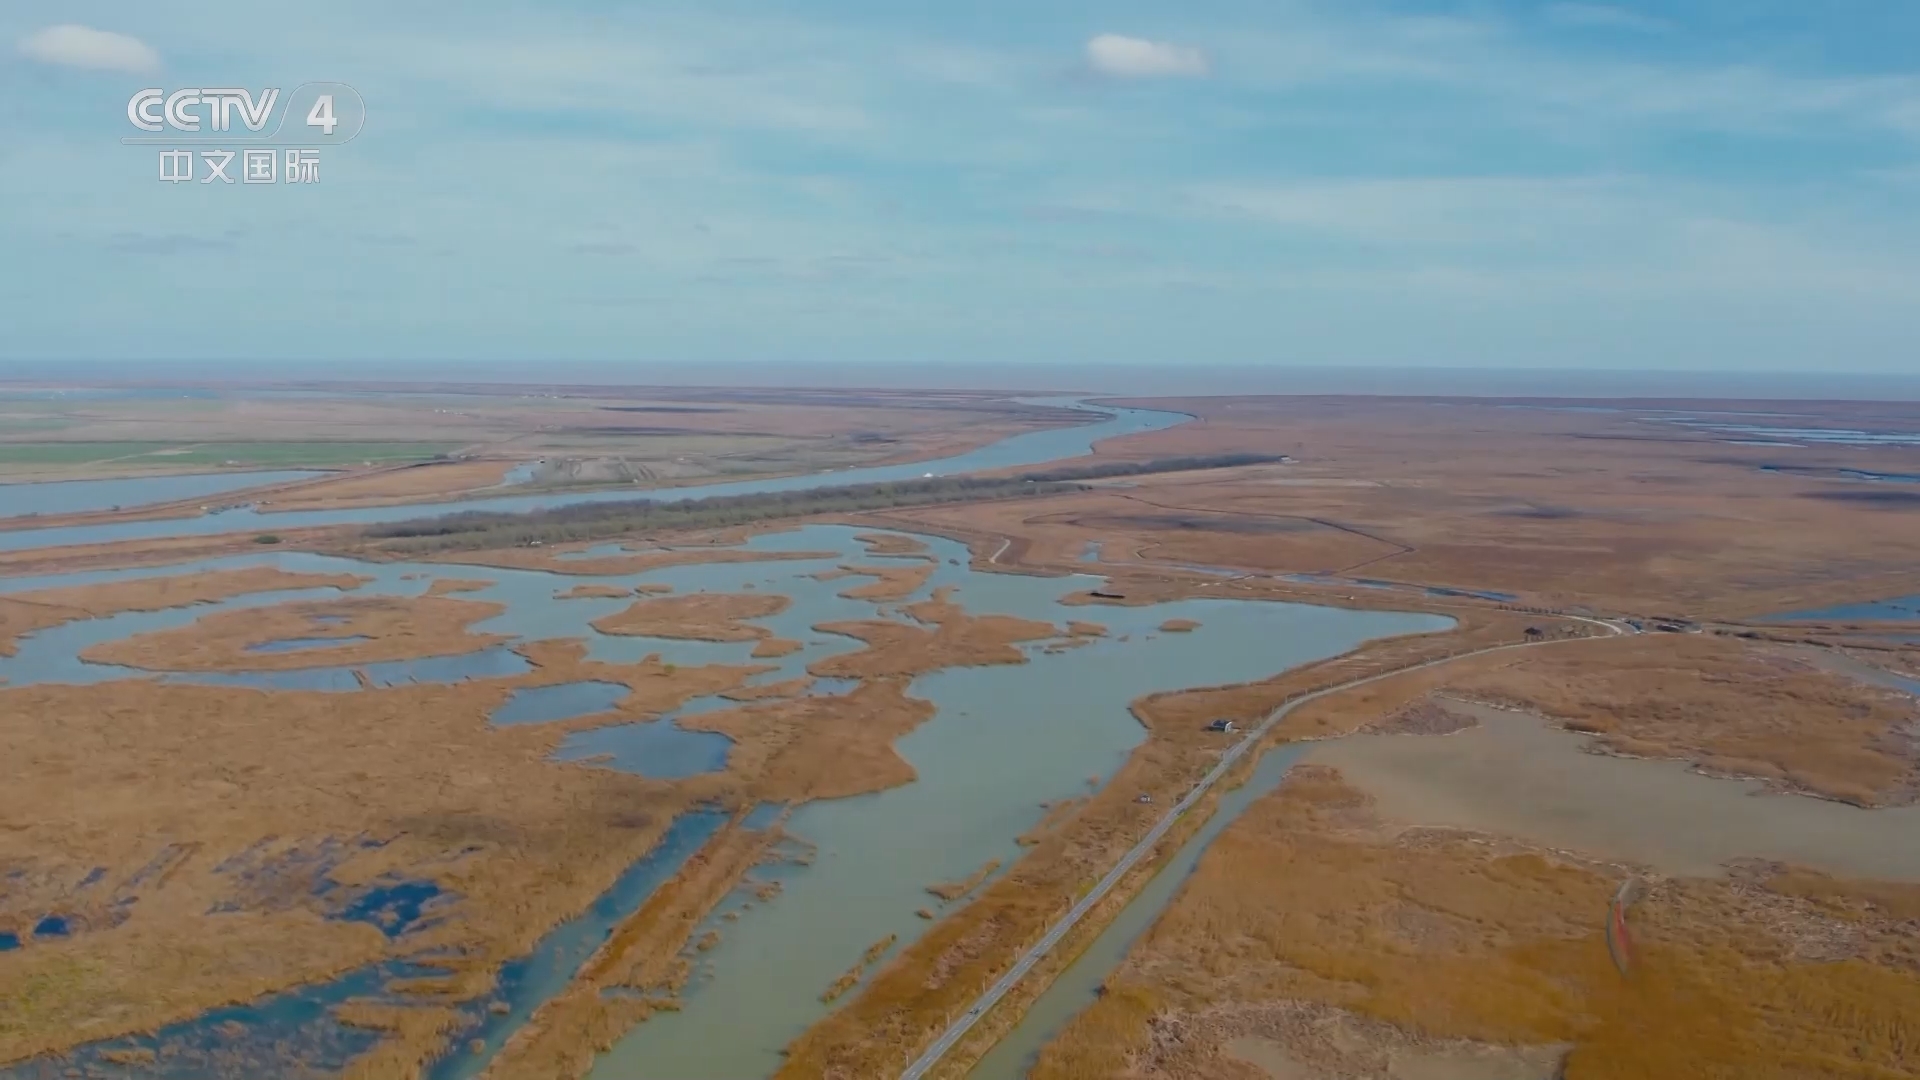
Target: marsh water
{"x":1076,"y":988}
{"x":1004,"y":740}
{"x":1031,"y":448}
{"x":77,"y":496}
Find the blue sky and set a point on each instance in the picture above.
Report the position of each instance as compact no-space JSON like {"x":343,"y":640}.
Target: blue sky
{"x":1699,"y":184}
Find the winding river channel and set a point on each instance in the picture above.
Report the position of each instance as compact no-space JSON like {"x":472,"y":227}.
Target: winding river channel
{"x":1031,"y":448}
{"x":1004,"y":741}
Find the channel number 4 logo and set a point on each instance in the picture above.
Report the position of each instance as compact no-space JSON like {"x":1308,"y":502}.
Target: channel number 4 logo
{"x":321,"y":115}
{"x":333,"y":113}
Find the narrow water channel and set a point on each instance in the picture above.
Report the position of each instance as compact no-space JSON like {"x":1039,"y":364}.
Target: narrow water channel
{"x":1078,"y":986}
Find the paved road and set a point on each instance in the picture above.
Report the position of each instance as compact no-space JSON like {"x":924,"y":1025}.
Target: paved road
{"x":959,"y":1028}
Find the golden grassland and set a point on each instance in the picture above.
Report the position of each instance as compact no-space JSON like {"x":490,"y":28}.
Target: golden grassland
{"x":950,"y":891}
{"x":803,"y":748}
{"x":893,"y":545}
{"x":433,"y":482}
{"x":446,"y":586}
{"x":24,"y":612}
{"x":162,"y":784}
{"x":1729,"y":706}
{"x":160,"y":551}
{"x":942,"y":635}
{"x":786,"y":688}
{"x":1311,"y":909}
{"x":771,"y":648}
{"x":889,"y":582}
{"x":697,"y":616}
{"x":594,"y":592}
{"x":1602,"y":510}
{"x":396,"y":628}
{"x":1563,"y":509}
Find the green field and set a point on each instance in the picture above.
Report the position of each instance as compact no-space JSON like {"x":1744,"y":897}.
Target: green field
{"x":174,"y":455}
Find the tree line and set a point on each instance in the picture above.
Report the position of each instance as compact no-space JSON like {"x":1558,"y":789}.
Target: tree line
{"x":476,"y":529}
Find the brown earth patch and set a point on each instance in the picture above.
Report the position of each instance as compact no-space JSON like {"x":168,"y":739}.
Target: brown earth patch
{"x":945,"y":636}
{"x":890,"y":582}
{"x":773,"y":648}
{"x":444,"y":586}
{"x":1311,"y":903}
{"x":399,"y":628}
{"x":24,"y":612}
{"x":807,"y":748}
{"x":697,"y":617}
{"x":1731,"y":707}
{"x":892,"y":544}
{"x":1423,"y":717}
{"x":193,"y":798}
{"x":594,"y":592}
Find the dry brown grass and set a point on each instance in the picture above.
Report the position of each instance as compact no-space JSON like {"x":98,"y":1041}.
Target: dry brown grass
{"x":892,"y":544}
{"x":697,"y":616}
{"x":1730,"y":706}
{"x":890,"y":582}
{"x":1561,"y":508}
{"x":594,"y":592}
{"x":38,"y":609}
{"x":949,"y":891}
{"x":444,"y":586}
{"x":1179,"y":626}
{"x":787,"y":688}
{"x":944,"y":636}
{"x":387,"y":487}
{"x":807,"y":748}
{"x":1311,"y":899}
{"x":773,"y":648}
{"x":397,"y":628}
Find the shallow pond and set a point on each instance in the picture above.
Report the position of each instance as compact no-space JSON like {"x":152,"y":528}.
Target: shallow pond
{"x":77,"y":496}
{"x":543,"y":704}
{"x":659,"y":749}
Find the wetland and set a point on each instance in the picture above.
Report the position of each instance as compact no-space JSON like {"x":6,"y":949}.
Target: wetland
{"x":888,"y":735}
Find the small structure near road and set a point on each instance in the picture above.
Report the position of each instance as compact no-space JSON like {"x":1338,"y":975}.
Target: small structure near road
{"x":1223,"y":725}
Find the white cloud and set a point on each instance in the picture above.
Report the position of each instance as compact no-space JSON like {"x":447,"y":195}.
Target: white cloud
{"x":72,"y":45}
{"x":1605,"y":17}
{"x":1137,"y":58}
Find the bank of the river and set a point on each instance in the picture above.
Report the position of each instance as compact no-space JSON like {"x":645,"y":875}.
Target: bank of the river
{"x":1030,"y":448}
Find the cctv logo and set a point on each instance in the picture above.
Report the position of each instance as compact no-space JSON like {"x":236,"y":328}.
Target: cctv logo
{"x":155,"y":109}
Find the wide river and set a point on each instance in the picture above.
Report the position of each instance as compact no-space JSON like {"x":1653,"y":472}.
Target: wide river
{"x":1032,"y":448}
